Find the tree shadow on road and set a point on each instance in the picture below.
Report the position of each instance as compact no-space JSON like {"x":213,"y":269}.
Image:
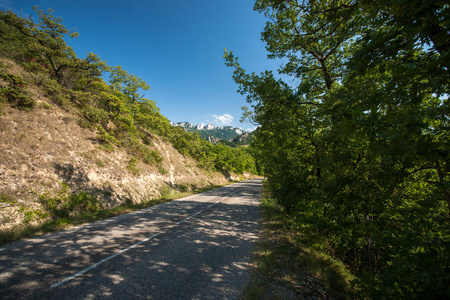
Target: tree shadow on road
{"x":205,"y":256}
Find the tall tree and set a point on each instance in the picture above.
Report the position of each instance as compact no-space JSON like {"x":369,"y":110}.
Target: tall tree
{"x":48,"y":37}
{"x":130,"y":85}
{"x":358,"y":150}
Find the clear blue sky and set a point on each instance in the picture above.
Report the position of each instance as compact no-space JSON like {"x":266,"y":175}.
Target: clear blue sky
{"x":176,"y":46}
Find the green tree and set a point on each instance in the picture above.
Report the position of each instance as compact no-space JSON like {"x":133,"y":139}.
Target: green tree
{"x":48,"y":35}
{"x":130,"y":85}
{"x":357,"y":151}
{"x":118,"y":110}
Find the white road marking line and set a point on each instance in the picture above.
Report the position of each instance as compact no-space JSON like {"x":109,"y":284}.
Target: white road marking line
{"x":102,"y":261}
{"x":132,"y":246}
{"x":191,"y":216}
{"x":207,"y":207}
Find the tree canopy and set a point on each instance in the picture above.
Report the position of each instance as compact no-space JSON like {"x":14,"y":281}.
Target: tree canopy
{"x":357,"y":152}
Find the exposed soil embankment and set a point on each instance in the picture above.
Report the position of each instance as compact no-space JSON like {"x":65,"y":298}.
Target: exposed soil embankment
{"x":45,"y":147}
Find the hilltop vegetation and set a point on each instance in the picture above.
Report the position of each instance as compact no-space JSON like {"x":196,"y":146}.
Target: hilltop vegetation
{"x":244,"y":139}
{"x":222,"y":133}
{"x":88,"y":125}
{"x":115,"y":109}
{"x":356,"y":144}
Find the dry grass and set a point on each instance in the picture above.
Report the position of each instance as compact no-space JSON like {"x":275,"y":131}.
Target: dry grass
{"x":283,"y":268}
{"x":41,"y":148}
{"x":26,"y":230}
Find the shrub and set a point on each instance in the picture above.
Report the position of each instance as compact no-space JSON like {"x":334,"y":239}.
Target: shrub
{"x":165,"y":191}
{"x":152,"y":156}
{"x":66,"y":204}
{"x":16,"y":93}
{"x":145,"y":138}
{"x":30,"y":213}
{"x":162,"y":170}
{"x":104,"y":137}
{"x":132,"y":166}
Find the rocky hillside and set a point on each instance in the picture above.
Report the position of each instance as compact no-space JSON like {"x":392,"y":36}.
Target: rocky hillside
{"x":218,"y":132}
{"x":77,"y":135}
{"x":242,"y":140}
{"x":43,"y":148}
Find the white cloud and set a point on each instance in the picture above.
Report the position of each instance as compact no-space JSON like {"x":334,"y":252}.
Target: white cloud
{"x":223,"y":119}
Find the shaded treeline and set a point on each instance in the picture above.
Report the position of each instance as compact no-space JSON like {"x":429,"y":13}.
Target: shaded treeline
{"x":356,"y":144}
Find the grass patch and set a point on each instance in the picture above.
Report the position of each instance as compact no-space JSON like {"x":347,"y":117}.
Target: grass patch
{"x":132,"y":166}
{"x":26,"y":230}
{"x":284,"y":268}
{"x":162,"y":170}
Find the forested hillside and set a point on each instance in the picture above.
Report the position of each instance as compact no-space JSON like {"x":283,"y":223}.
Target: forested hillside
{"x":243,"y":140}
{"x":86,"y":120}
{"x":356,"y":145}
{"x":222,"y":132}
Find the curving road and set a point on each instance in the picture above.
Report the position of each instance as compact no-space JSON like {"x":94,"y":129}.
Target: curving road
{"x":192,"y":248}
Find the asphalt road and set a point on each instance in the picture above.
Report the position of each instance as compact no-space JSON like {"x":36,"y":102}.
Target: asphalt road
{"x":192,"y":248}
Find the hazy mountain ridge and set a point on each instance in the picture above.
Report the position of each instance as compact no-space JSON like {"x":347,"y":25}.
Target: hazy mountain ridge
{"x":218,"y":132}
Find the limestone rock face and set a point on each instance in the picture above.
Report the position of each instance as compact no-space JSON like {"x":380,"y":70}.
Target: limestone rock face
{"x":183,"y":124}
{"x":189,"y":125}
{"x":206,"y":131}
{"x":213,"y":140}
{"x":209,"y":127}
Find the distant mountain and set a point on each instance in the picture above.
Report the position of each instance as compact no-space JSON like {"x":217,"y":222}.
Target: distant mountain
{"x":213,"y":140}
{"x":242,"y":140}
{"x":221,"y":132}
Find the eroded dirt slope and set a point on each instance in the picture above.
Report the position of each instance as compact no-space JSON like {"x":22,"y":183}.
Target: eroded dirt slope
{"x":44,"y":147}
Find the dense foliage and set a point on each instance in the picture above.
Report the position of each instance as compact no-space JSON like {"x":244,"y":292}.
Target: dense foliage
{"x":243,"y":140}
{"x":220,"y":157}
{"x":357,"y":151}
{"x":226,"y":133}
{"x":117,"y":109}
{"x":223,"y":134}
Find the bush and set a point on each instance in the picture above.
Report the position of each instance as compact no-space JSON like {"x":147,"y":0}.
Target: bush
{"x":66,"y":204}
{"x":104,"y":137}
{"x":16,"y":93}
{"x":162,"y":170}
{"x":152,"y":156}
{"x":132,"y":166}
